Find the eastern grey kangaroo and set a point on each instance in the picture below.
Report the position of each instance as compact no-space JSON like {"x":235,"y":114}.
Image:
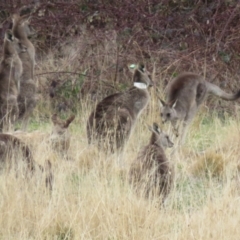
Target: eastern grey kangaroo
{"x":27,"y":94}
{"x":184,"y":96}
{"x":113,"y":119}
{"x":12,"y":149}
{"x":151,"y":173}
{"x":60,"y":137}
{"x":10,"y":72}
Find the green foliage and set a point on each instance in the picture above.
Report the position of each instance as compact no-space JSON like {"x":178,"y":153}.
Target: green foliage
{"x":75,"y":179}
{"x":190,"y":193}
{"x":122,"y":86}
{"x":225,"y":56}
{"x":174,"y":74}
{"x":60,"y":233}
{"x":69,"y":89}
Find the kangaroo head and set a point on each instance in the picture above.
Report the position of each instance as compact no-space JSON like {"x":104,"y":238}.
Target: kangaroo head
{"x":159,"y":138}
{"x":167,"y":111}
{"x":61,"y":126}
{"x":60,"y":137}
{"x":21,"y":26}
{"x":141,"y":77}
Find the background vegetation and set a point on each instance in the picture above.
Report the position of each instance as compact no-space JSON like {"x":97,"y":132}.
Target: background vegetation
{"x":168,"y":36}
{"x":83,"y":49}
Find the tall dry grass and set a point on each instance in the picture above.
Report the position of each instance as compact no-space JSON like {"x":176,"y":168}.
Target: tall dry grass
{"x":91,"y":196}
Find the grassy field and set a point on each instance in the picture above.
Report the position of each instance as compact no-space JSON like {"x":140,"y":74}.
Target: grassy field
{"x":91,"y":197}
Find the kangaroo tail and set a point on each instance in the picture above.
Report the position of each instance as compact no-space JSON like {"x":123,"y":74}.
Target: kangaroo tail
{"x":217,"y":91}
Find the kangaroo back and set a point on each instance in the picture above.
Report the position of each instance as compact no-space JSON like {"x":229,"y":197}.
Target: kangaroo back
{"x":182,"y":87}
{"x":11,"y":145}
{"x":217,"y":91}
{"x":21,"y":30}
{"x":10,"y":72}
{"x":114,"y":117}
{"x":27,"y":96}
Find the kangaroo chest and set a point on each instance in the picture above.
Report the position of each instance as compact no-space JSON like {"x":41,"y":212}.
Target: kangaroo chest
{"x":138,"y":101}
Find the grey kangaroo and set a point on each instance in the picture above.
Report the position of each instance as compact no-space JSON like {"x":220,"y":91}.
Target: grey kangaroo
{"x":27,"y":93}
{"x":11,"y":147}
{"x":60,"y":137}
{"x":151,"y":173}
{"x":184,"y":96}
{"x":113,"y":119}
{"x":10,"y":72}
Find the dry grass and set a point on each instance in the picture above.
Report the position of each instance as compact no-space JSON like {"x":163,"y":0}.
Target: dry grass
{"x":91,"y":197}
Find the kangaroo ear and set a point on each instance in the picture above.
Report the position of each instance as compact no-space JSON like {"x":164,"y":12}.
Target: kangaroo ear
{"x":161,"y":102}
{"x":9,"y":35}
{"x":174,"y":104}
{"x":69,"y":120}
{"x":156,"y":128}
{"x":25,"y":19}
{"x":150,"y":128}
{"x":15,"y":17}
{"x":141,"y":67}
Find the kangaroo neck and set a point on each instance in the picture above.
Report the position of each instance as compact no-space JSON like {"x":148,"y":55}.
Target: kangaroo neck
{"x":140,"y":85}
{"x":138,"y":99}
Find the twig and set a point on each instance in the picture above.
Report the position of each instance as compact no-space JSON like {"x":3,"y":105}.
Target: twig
{"x":76,"y":73}
{"x":227,"y":23}
{"x":116,"y":69}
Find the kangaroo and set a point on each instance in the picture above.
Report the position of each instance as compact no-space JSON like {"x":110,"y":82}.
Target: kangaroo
{"x":60,"y":137}
{"x":27,"y":95}
{"x":151,"y":172}
{"x":113,"y":119}
{"x":184,"y":96}
{"x":10,"y":73}
{"x":11,"y":147}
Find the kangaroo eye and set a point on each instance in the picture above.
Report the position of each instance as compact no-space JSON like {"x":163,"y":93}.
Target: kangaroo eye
{"x":168,"y":115}
{"x":161,"y":114}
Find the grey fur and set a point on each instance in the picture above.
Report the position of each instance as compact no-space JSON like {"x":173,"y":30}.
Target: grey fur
{"x":12,"y":149}
{"x":184,"y":96}
{"x":10,"y":72}
{"x":60,"y":136}
{"x":113,"y":119}
{"x":151,"y":173}
{"x":27,"y":93}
